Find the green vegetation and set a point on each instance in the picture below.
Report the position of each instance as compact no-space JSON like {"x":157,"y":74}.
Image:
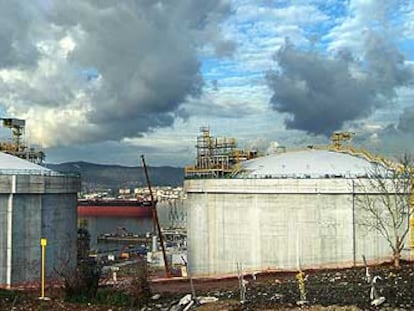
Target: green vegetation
{"x":109,"y":296}
{"x":82,"y":286}
{"x":10,"y":294}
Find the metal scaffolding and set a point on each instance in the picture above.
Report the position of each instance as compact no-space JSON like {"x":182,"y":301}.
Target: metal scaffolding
{"x":216,"y":156}
{"x":17,"y":147}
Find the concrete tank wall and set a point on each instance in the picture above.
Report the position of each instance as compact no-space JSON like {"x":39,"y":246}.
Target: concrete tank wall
{"x":276,"y":224}
{"x":32,"y":207}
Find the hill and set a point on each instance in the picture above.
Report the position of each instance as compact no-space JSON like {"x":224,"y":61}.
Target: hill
{"x":101,"y":177}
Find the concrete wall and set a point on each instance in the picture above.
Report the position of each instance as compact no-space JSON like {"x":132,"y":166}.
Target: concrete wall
{"x":32,"y":207}
{"x":276,"y":224}
{"x":59,"y":226}
{"x":26,"y":232}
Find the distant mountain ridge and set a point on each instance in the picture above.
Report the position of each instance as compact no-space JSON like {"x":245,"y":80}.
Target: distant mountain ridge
{"x":102,"y":176}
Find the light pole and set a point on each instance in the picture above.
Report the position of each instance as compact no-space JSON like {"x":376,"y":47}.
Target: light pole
{"x":43,"y":243}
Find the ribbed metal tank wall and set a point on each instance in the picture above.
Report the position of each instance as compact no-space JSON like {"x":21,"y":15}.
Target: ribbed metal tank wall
{"x":31,"y":207}
{"x":277,"y":224}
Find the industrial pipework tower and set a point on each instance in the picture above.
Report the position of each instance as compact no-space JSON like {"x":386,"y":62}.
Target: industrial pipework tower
{"x":17,"y":147}
{"x":216,"y":156}
{"x":338,"y":138}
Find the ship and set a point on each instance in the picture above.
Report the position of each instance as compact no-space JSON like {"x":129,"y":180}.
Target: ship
{"x":114,"y":207}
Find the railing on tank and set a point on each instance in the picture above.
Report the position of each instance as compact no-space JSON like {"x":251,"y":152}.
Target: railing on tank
{"x":37,"y":172}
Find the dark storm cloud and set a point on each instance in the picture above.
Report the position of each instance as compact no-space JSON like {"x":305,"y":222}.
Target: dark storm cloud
{"x":225,"y":48}
{"x":143,"y":56}
{"x":393,"y":141}
{"x":406,"y":122}
{"x":320,"y":93}
{"x":145,"y":52}
{"x":16,"y":45}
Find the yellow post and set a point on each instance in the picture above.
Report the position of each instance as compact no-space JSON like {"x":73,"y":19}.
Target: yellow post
{"x":43,"y":243}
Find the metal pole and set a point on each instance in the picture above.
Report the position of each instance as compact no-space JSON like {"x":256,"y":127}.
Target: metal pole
{"x":189,"y":276}
{"x":43,"y":243}
{"x":43,"y":272}
{"x":155,"y":218}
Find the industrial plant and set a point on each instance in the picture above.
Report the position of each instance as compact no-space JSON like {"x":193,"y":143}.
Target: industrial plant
{"x":17,"y":146}
{"x":35,"y":203}
{"x":284,"y":211}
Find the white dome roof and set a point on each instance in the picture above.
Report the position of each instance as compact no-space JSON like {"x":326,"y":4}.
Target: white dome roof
{"x":13,"y":165}
{"x":306,"y":164}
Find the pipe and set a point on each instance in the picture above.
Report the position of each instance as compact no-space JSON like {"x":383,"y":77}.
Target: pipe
{"x":9,"y":234}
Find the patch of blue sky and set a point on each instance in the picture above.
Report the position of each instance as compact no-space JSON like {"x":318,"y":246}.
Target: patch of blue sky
{"x":334,"y":9}
{"x":284,"y":3}
{"x":244,"y":28}
{"x":317,"y":36}
{"x":219,"y":69}
{"x":213,"y":68}
{"x":277,"y":4}
{"x":242,"y":80}
{"x":336,"y":12}
{"x":286,"y":22}
{"x":90,"y":74}
{"x":237,"y":79}
{"x":260,"y":27}
{"x":325,"y":26}
{"x":406,"y":47}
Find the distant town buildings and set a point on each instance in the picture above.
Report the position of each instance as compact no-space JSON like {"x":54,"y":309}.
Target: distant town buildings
{"x":161,"y":193}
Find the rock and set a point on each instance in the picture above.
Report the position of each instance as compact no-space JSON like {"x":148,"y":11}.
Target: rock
{"x":156,"y":297}
{"x":189,"y":305}
{"x":209,"y":299}
{"x":276,"y":297}
{"x":185,"y":300}
{"x":302,"y":302}
{"x":378,"y":301}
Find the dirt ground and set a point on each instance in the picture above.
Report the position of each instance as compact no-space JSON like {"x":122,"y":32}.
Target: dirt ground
{"x":344,"y":290}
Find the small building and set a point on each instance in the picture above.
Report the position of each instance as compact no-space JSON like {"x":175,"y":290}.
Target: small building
{"x":35,"y":203}
{"x":281,"y":212}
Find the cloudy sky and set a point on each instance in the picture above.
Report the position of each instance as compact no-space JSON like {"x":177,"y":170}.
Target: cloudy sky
{"x":105,"y":81}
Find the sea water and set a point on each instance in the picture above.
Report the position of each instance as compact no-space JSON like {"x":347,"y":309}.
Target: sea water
{"x":171,"y":214}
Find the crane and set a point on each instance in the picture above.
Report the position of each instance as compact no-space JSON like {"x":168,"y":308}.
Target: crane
{"x":155,"y":218}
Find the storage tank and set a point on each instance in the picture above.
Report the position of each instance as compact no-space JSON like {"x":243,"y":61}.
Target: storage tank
{"x":281,"y":212}
{"x":35,"y":203}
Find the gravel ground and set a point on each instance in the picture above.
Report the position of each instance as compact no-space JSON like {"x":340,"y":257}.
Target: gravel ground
{"x":325,"y":290}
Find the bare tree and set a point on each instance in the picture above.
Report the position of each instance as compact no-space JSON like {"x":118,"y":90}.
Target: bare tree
{"x":386,"y":197}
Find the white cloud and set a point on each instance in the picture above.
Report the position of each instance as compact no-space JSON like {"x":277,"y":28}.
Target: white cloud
{"x":103,"y":71}
{"x":408,"y":20}
{"x":68,"y":80}
{"x":362,"y":15}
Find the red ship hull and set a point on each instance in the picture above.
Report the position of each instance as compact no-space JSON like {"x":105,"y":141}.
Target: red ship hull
{"x":116,"y":208}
